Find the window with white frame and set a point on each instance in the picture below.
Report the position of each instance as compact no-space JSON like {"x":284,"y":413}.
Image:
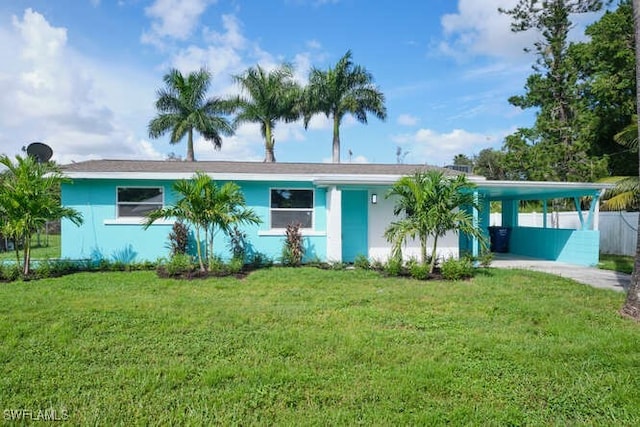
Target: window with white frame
{"x":291,"y":206}
{"x":139,"y":201}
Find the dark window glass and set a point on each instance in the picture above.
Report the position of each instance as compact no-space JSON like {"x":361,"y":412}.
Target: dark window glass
{"x":280,"y":219}
{"x":291,"y":207}
{"x":292,"y":199}
{"x":138,"y":201}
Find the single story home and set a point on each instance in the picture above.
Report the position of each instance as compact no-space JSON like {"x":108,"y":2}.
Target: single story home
{"x":342,"y":208}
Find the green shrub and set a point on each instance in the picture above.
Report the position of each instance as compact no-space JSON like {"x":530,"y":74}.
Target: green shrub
{"x":362,"y":262}
{"x":457,"y":269}
{"x":217,"y":265}
{"x":486,"y":258}
{"x":419,"y":271}
{"x":260,"y":260}
{"x":10,"y":271}
{"x":236,"y":265}
{"x":393,"y":266}
{"x":179,"y":264}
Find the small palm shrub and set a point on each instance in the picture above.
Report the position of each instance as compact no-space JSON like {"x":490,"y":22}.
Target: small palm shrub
{"x":457,"y":269}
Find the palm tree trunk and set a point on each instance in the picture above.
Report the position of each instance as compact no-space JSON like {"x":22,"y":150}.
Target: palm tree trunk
{"x":336,"y":140}
{"x":199,"y":249}
{"x":423,"y":249}
{"x":432,"y":266}
{"x":269,"y":156}
{"x":190,"y":155}
{"x":27,"y":256}
{"x":632,"y":304}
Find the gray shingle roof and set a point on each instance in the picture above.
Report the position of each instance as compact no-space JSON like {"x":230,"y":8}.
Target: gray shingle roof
{"x":150,"y":166}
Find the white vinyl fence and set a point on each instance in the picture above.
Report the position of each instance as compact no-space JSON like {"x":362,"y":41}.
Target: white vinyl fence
{"x":618,"y":230}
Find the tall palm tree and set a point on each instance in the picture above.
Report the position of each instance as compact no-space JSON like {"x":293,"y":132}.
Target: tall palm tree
{"x":268,"y":96}
{"x":208,"y":208}
{"x":632,"y":304}
{"x":430,"y":205}
{"x":29,"y":197}
{"x":346,"y":88}
{"x":184,"y":108}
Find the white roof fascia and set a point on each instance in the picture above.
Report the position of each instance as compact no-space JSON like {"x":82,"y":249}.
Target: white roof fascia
{"x":187,"y":175}
{"x":547,"y":184}
{"x":320,"y":180}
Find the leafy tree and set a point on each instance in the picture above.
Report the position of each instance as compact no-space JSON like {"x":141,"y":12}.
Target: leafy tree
{"x":632,"y":304}
{"x":606,"y":86}
{"x":430,"y":205}
{"x":269,"y":96}
{"x":184,"y":108}
{"x":345,"y":88}
{"x":208,"y":208}
{"x":29,"y":197}
{"x":552,"y":87}
{"x":490,"y":164}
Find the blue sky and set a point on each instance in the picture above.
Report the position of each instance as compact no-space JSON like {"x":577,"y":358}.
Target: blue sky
{"x":81,"y":75}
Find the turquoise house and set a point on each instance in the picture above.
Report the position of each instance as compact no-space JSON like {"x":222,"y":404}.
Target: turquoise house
{"x":342,"y":209}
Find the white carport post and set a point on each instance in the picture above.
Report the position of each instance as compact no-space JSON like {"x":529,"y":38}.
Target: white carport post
{"x":334,"y":224}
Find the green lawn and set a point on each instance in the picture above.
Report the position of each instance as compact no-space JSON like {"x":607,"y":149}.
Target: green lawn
{"x":315,"y":347}
{"x":47,"y":248}
{"x":620,"y":263}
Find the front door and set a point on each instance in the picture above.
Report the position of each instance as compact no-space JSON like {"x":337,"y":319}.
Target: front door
{"x":355,"y":224}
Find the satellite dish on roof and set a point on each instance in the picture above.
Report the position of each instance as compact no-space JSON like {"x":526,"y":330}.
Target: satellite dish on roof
{"x":39,"y":151}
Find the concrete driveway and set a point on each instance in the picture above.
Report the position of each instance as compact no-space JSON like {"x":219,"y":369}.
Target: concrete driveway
{"x":603,"y":279}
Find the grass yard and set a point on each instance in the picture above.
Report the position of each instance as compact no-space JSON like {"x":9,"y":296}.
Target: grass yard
{"x":49,"y":248}
{"x":314,"y":347}
{"x":620,"y":263}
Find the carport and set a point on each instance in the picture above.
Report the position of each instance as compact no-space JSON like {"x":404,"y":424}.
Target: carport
{"x":574,"y":246}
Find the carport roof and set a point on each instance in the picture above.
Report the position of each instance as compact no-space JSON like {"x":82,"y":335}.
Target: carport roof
{"x":538,"y":190}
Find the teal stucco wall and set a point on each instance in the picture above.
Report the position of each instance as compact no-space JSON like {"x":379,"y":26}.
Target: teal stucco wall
{"x":578,"y":247}
{"x":100,"y":238}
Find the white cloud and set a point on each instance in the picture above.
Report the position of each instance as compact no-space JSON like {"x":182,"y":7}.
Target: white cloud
{"x":320,"y":122}
{"x":245,"y":145}
{"x":81,"y":108}
{"x":436,"y":148}
{"x":479,"y":29}
{"x":231,"y":37}
{"x":175,"y":19}
{"x":407,"y":120}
